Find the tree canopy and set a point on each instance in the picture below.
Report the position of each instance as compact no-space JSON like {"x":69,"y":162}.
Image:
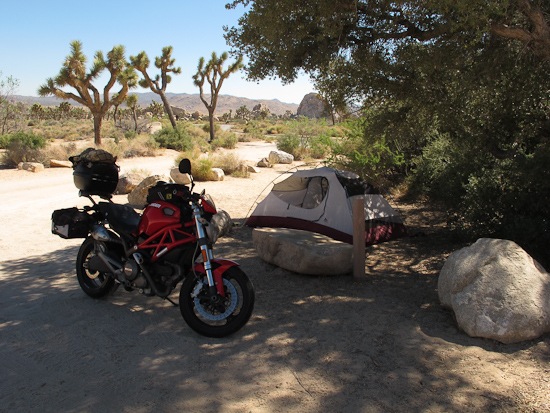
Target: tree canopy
{"x":283,"y":38}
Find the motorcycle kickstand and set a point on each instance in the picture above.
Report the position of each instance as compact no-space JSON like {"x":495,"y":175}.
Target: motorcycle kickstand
{"x":169,"y":299}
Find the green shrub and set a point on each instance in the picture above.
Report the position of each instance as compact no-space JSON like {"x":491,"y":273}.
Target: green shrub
{"x":289,"y":144}
{"x":443,"y":169}
{"x":320,"y":146}
{"x":226,"y":140}
{"x":206,"y":128}
{"x":22,"y":147}
{"x":130,"y":134}
{"x":509,"y":200}
{"x":201,"y":164}
{"x":370,"y":157}
{"x":181,"y":139}
{"x":305,"y":138}
{"x":202,"y":169}
{"x":254,"y":130}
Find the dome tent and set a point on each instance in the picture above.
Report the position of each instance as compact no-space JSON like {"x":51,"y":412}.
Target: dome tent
{"x":320,"y":200}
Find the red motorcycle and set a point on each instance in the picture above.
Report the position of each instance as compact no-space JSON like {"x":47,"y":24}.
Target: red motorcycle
{"x":171,"y":241}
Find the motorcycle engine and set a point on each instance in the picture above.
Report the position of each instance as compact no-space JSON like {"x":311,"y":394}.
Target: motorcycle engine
{"x":133,"y":274}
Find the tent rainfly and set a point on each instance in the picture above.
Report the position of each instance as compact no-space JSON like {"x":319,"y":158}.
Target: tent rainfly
{"x":320,"y":200}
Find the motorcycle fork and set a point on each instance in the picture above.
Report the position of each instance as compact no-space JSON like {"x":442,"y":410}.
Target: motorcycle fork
{"x":214,"y":289}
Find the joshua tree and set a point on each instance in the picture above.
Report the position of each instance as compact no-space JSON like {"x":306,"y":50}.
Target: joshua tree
{"x":215,"y":75}
{"x":73,"y":74}
{"x":132,"y":103}
{"x":158,"y":85}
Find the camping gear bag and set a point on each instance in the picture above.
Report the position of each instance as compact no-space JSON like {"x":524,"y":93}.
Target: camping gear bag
{"x":70,"y":223}
{"x":176,"y":194}
{"x":95,"y":172}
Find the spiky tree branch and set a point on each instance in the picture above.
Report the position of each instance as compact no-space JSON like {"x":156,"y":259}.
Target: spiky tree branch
{"x":158,"y":84}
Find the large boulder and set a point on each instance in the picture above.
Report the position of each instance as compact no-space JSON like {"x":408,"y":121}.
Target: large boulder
{"x":179,"y":178}
{"x":303,"y":252}
{"x":138,"y":197}
{"x":313,"y":106}
{"x":128,"y":182}
{"x":496,"y":291}
{"x":282,"y":157}
{"x":216,"y":174}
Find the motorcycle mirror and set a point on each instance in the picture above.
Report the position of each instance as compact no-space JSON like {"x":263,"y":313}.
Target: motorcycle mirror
{"x":185,"y":166}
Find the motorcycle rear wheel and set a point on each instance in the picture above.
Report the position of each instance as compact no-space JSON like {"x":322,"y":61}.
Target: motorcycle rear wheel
{"x":96,"y":284}
{"x":222,"y":320}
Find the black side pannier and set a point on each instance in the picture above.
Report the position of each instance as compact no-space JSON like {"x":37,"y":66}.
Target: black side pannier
{"x":95,"y":172}
{"x":70,"y":223}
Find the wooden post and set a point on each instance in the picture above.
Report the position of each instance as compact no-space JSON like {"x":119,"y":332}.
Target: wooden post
{"x":358,"y":211}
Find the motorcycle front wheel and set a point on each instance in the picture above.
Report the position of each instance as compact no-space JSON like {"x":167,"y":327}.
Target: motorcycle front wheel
{"x":217,"y":319}
{"x":96,"y":284}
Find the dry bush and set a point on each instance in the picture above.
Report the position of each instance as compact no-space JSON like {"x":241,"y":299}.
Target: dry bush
{"x":61,"y":152}
{"x":202,"y":164}
{"x":142,"y":145}
{"x":231,"y":164}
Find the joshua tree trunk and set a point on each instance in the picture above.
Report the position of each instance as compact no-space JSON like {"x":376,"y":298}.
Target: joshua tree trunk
{"x":211,"y":119}
{"x":168,"y":109}
{"x":98,"y":119}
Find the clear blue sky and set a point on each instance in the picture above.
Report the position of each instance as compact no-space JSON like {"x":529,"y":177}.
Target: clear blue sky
{"x":35,"y":38}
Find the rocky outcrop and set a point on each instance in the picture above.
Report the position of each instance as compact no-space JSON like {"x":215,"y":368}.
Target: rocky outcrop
{"x":496,"y":291}
{"x":179,"y":113}
{"x":313,"y":106}
{"x":260,"y":111}
{"x":303,"y":252}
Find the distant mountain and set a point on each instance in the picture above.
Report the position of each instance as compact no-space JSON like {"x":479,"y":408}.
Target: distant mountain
{"x":189,"y":102}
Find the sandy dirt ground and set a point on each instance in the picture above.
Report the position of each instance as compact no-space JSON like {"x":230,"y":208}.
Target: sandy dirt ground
{"x":313,"y":344}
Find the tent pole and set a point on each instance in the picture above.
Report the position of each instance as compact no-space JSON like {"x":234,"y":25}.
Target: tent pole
{"x":358,"y":211}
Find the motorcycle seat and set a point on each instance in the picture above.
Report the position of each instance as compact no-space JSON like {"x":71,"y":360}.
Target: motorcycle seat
{"x":122,"y":218}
